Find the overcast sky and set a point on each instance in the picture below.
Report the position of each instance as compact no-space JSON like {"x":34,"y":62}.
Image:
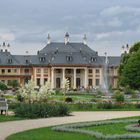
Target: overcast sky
{"x":109,"y":24}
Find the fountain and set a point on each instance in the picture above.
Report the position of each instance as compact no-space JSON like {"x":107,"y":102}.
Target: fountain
{"x":105,"y":87}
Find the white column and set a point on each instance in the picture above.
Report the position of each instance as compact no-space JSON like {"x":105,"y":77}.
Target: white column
{"x":42,"y":76}
{"x":52,"y":78}
{"x":86,"y":77}
{"x":74,"y":78}
{"x":63,"y":75}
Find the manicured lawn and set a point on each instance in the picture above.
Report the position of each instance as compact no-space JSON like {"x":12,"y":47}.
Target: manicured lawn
{"x":4,"y":118}
{"x":48,"y":134}
{"x":93,"y":107}
{"x":84,"y":97}
{"x":109,"y":129}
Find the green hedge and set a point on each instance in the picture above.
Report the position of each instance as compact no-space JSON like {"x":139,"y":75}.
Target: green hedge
{"x":41,"y":110}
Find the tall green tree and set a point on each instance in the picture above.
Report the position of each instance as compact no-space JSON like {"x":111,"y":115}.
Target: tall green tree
{"x":129,"y":70}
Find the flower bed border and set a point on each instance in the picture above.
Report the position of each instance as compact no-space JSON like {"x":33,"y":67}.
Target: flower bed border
{"x":133,"y":128}
{"x":75,"y":128}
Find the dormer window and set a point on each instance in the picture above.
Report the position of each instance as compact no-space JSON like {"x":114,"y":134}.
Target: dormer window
{"x":69,"y":58}
{"x":9,"y":61}
{"x":42,"y":59}
{"x":93,"y":59}
{"x":27,"y":61}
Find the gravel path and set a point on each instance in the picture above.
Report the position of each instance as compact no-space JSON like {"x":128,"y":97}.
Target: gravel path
{"x":8,"y":128}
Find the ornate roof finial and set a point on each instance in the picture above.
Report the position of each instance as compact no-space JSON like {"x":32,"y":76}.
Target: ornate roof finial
{"x":49,"y":39}
{"x":123,"y":50}
{"x":127,"y":48}
{"x":85,"y":39}
{"x":66,"y":38}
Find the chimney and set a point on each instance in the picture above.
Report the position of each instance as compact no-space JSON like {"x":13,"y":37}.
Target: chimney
{"x":123,"y":50}
{"x":85,"y":39}
{"x":8,"y":47}
{"x":106,"y":58}
{"x":3,"y":46}
{"x":127,"y":48}
{"x":49,"y":39}
{"x":1,"y":50}
{"x":66,"y":38}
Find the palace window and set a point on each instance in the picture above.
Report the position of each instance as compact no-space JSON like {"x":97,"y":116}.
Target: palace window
{"x":97,"y":71}
{"x":58,"y":70}
{"x":45,"y":70}
{"x":93,"y":59}
{"x":9,"y":70}
{"x":38,"y":81}
{"x":42,"y":59}
{"x":90,"y":82}
{"x":45,"y":80}
{"x":26,"y":70}
{"x":90,"y":71}
{"x":78,"y":71}
{"x":38,"y":71}
{"x":68,"y":71}
{"x":97,"y":82}
{"x":3,"y":70}
{"x":3,"y":81}
{"x":8,"y":82}
{"x":15,"y":70}
{"x":27,"y":61}
{"x":69,"y":58}
{"x":9,"y":61}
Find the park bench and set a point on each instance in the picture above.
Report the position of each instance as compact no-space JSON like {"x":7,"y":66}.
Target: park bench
{"x":3,"y":106}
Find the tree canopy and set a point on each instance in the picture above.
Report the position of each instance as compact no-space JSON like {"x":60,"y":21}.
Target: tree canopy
{"x":129,"y":70}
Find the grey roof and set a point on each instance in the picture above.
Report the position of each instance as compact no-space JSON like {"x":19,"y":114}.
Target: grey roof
{"x":113,"y":61}
{"x":56,"y":53}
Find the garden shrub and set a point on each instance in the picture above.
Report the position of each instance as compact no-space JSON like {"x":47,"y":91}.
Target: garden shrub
{"x":119,"y":96}
{"x":13,"y":105}
{"x":68,"y":100}
{"x":20,"y":98}
{"x":105,"y":105}
{"x":137,"y":105}
{"x":58,"y":92}
{"x":41,"y":110}
{"x":99,"y":92}
{"x":3,"y":86}
{"x":83,"y":106}
{"x":139,"y":122}
{"x":93,"y":100}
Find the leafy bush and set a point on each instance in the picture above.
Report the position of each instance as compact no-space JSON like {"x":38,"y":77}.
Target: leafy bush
{"x":83,"y":106}
{"x":20,"y":98}
{"x":93,"y":100}
{"x":3,"y":86}
{"x":13,"y":105}
{"x":119,"y":96}
{"x":58,"y":92}
{"x":41,"y":110}
{"x":139,"y":122}
{"x":137,"y":106}
{"x":99,"y":92}
{"x":105,"y":105}
{"x":68,"y":100}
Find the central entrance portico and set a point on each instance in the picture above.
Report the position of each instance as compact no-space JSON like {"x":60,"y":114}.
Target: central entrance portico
{"x":77,"y":76}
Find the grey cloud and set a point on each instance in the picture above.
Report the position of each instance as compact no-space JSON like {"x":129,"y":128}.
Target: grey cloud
{"x":108,"y":24}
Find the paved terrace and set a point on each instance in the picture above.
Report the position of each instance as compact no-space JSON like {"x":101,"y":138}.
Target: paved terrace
{"x":8,"y":128}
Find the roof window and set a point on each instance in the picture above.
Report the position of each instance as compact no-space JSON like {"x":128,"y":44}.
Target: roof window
{"x":69,"y":58}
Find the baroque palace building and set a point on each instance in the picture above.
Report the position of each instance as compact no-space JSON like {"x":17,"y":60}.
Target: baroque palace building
{"x":81,"y":65}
